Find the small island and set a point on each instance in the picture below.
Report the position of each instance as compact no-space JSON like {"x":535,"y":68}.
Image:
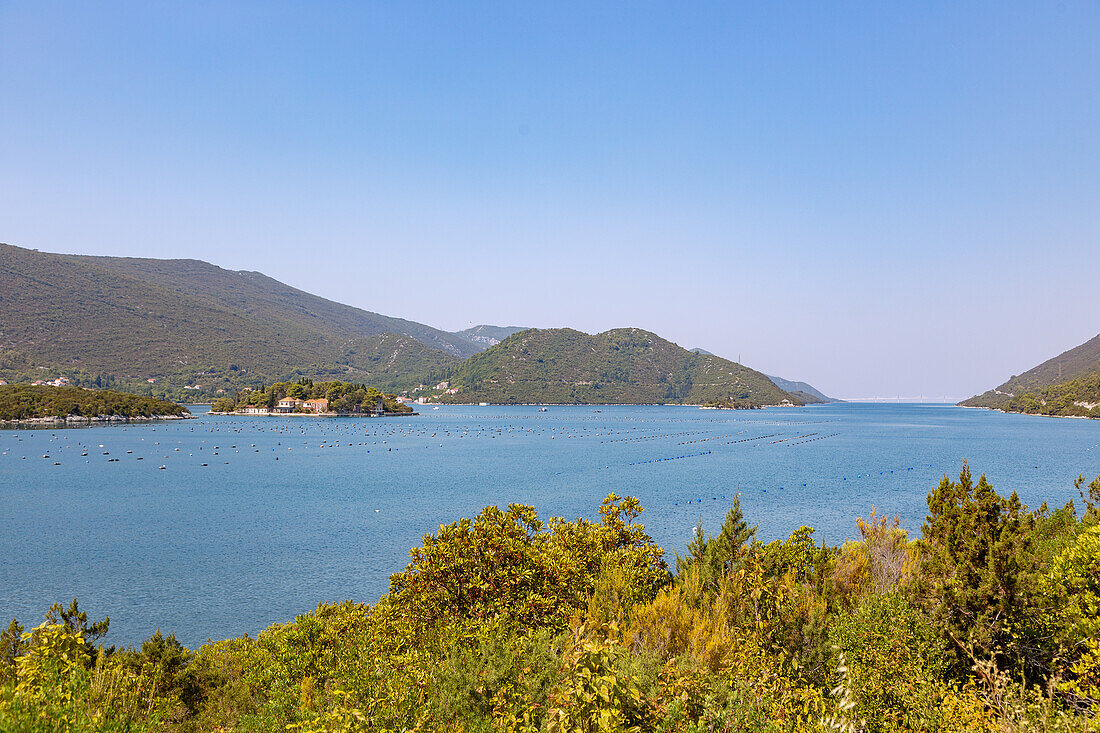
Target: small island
{"x":304,"y":397}
{"x":26,"y":404}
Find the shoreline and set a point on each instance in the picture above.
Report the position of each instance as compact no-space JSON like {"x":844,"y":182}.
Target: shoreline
{"x":1028,"y":414}
{"x":82,"y":421}
{"x":312,"y":414}
{"x":597,"y":404}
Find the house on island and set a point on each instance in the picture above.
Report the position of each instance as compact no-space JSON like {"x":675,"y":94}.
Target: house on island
{"x":291,"y":404}
{"x":254,"y":410}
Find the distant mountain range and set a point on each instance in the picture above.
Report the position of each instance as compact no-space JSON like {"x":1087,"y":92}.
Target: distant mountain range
{"x":624,"y":365}
{"x":187,"y":329}
{"x":1067,"y":385}
{"x":486,"y":336}
{"x":805,"y":392}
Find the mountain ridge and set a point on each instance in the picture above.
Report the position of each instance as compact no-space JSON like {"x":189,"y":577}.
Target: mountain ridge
{"x":192,"y":330}
{"x":162,"y":326}
{"x":260,"y":295}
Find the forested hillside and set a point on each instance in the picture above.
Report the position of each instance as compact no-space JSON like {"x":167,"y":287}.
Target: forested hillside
{"x":162,"y":326}
{"x":622,"y":366}
{"x":983,"y":621}
{"x":266,"y":300}
{"x":1067,"y":385}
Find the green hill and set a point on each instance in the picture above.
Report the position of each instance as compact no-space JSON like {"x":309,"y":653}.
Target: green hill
{"x":1067,"y":385}
{"x":120,"y":322}
{"x":626,"y":365}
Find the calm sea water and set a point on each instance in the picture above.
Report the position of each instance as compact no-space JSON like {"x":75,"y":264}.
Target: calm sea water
{"x":254,"y":520}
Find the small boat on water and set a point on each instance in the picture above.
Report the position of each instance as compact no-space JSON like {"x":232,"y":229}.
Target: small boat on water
{"x":544,"y":409}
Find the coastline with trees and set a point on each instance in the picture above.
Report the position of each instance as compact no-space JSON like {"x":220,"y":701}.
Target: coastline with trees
{"x":306,"y":397}
{"x":45,"y":405}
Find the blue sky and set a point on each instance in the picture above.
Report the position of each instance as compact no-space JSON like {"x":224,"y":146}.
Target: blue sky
{"x":878,"y":198}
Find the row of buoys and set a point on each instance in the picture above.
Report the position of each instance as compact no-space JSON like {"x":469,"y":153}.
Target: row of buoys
{"x":652,"y":460}
{"x":670,"y":458}
{"x":784,"y":440}
{"x":884,"y":472}
{"x":869,"y":474}
{"x":700,"y":501}
{"x":652,"y":437}
{"x":713,"y":437}
{"x":819,"y":437}
{"x":749,"y":440}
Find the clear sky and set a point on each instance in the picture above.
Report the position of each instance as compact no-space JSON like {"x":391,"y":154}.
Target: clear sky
{"x":880,"y":198}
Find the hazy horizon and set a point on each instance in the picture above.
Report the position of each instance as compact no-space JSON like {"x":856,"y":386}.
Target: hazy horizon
{"x":875,"y":200}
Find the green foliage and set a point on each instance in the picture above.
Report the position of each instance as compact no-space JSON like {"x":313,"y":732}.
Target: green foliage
{"x":55,"y":689}
{"x":77,"y":621}
{"x":25,"y":402}
{"x":591,"y":695}
{"x":1090,"y":498}
{"x":717,"y":556}
{"x":510,"y":565}
{"x":11,"y":646}
{"x":499,"y":674}
{"x":1073,"y":581}
{"x":978,"y":566}
{"x":896,"y":658}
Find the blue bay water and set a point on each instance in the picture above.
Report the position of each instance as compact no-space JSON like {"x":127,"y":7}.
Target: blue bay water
{"x":290,"y":511}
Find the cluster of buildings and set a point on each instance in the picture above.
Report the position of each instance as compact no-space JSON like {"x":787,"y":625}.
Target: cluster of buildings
{"x":291,"y":405}
{"x":59,"y":382}
{"x":288,"y":405}
{"x":445,"y":386}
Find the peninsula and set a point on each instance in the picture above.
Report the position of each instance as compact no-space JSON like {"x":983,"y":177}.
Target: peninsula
{"x":28,"y":404}
{"x":1066,"y":386}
